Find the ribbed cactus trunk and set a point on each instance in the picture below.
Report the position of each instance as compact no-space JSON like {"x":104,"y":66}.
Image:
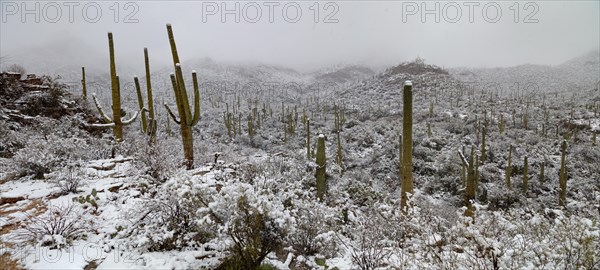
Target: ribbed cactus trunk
{"x":308,"y":156}
{"x":542,"y":176}
{"x":149,"y":85}
{"x":400,"y":156}
{"x":140,"y":98}
{"x":83,"y":85}
{"x":525,"y":175}
{"x":562,"y":194}
{"x":407,"y":123}
{"x":483,"y":134}
{"x":186,"y":120}
{"x":470,"y":191}
{"x":508,"y":167}
{"x":152,"y":123}
{"x":116,"y":92}
{"x":321,"y":163}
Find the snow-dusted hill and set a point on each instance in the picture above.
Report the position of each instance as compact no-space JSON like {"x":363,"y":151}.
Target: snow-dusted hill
{"x":250,"y":201}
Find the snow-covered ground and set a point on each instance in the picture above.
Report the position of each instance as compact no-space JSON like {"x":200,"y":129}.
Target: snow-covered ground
{"x":73,"y":199}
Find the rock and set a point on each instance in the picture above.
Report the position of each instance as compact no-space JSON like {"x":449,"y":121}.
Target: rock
{"x":9,"y":200}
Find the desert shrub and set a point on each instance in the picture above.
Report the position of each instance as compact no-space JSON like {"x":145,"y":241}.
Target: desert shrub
{"x":376,"y":234}
{"x":518,"y":238}
{"x":589,"y":154}
{"x":313,"y":233}
{"x":156,"y":160}
{"x":502,"y":199}
{"x":12,"y":141}
{"x":68,"y":179}
{"x":16,"y":68}
{"x":57,"y":228}
{"x":42,"y":155}
{"x":254,"y":235}
{"x":371,"y":251}
{"x":456,"y":126}
{"x":360,"y":191}
{"x":177,"y":217}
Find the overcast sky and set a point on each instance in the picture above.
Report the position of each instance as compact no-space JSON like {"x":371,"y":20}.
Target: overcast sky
{"x":375,"y":33}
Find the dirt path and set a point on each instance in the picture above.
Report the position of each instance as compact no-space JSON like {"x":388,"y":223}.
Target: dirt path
{"x":7,"y":262}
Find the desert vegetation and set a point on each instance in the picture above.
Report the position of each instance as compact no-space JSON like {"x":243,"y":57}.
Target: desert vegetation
{"x":411,"y":167}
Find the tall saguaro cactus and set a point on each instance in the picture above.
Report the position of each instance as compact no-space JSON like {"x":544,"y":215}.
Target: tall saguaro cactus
{"x":308,"y":138}
{"x":407,"y":123}
{"x":149,"y":124}
{"x":321,"y":163}
{"x":525,"y":175}
{"x":508,"y":167}
{"x":83,"y":85}
{"x":116,"y":123}
{"x":149,"y":86}
{"x":471,"y":180}
{"x":140,"y":103}
{"x":562,"y":194}
{"x":483,"y":133}
{"x":186,"y":120}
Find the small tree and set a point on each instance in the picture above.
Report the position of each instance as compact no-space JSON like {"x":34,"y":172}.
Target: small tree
{"x":16,"y":69}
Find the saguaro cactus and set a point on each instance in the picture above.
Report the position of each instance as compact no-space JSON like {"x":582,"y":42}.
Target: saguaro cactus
{"x":116,"y":123}
{"x":508,"y":167}
{"x":400,"y":155}
{"x":152,"y":123}
{"x":308,"y":138}
{"x":186,"y":120}
{"x":525,"y":175}
{"x":321,"y":163}
{"x":542,"y":176}
{"x":140,"y":103}
{"x":407,"y":123}
{"x":84,"y":88}
{"x":562,"y":194}
{"x":471,"y":179}
{"x":483,"y":133}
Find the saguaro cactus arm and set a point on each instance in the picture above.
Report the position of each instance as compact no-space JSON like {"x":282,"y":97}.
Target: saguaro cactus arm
{"x":130,"y":120}
{"x":103,"y":115}
{"x":108,"y":121}
{"x":172,"y":114}
{"x":103,"y":126}
{"x":140,"y":103}
{"x":196,"y":116}
{"x":149,"y":85}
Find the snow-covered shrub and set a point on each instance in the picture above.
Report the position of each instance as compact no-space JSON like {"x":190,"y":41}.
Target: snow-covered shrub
{"x":16,"y":68}
{"x":254,"y":234}
{"x":373,"y":245}
{"x":590,"y":155}
{"x":177,"y":217}
{"x":68,"y":179}
{"x":56,"y":228}
{"x":456,"y":126}
{"x":517,"y":239}
{"x":158,"y":160}
{"x":360,"y":191}
{"x":314,"y":231}
{"x":11,"y":141}
{"x":54,"y":144}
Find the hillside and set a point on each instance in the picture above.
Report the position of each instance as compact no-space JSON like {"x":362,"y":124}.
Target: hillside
{"x":250,"y":199}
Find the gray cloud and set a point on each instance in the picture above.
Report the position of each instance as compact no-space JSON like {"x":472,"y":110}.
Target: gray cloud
{"x":370,"y":33}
